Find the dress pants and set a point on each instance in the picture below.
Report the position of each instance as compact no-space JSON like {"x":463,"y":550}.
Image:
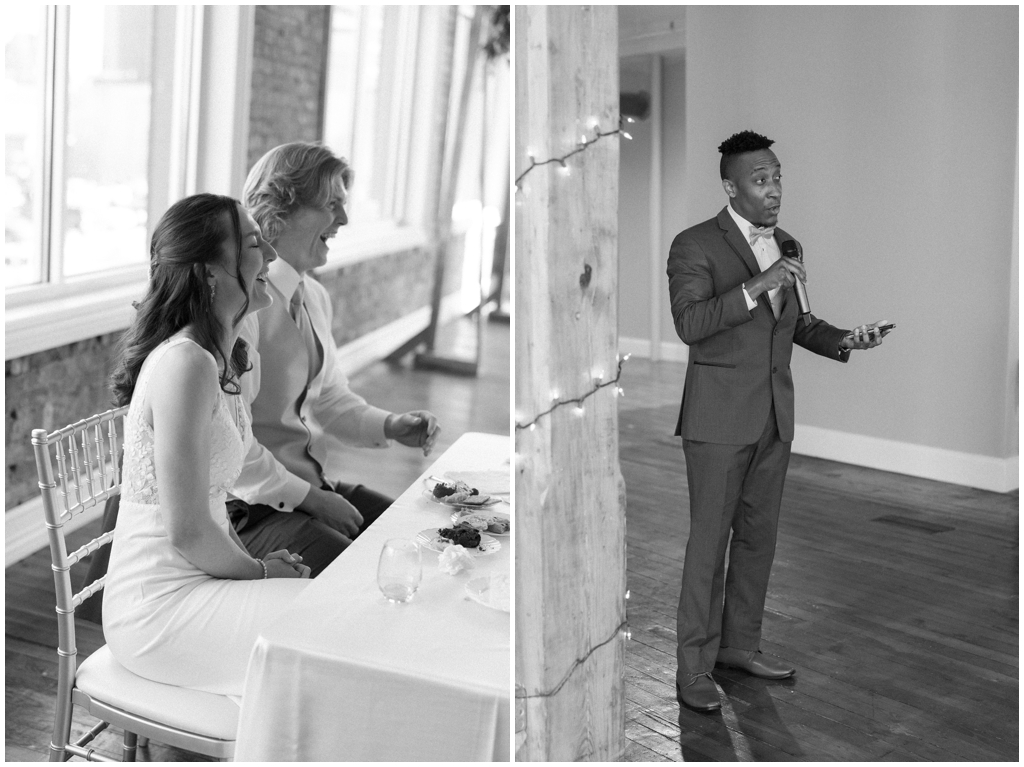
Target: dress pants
{"x":737,"y":490}
{"x":264,"y":529}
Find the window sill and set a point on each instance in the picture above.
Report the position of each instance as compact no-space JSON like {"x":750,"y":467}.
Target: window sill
{"x":361,"y":242}
{"x":55,"y":321}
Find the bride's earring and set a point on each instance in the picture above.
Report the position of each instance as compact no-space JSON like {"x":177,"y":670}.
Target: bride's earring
{"x":213,"y":291}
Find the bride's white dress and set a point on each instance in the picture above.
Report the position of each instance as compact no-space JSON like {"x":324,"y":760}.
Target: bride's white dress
{"x":164,"y":618}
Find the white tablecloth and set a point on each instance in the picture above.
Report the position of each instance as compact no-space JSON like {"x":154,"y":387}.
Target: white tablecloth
{"x":344,"y":675}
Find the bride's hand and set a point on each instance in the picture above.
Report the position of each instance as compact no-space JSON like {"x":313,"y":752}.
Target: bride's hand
{"x":281,"y":564}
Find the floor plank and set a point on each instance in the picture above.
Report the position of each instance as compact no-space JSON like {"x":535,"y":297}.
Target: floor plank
{"x":895,"y":597}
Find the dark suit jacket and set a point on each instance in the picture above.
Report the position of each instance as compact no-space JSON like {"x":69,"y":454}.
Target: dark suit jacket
{"x":738,"y":359}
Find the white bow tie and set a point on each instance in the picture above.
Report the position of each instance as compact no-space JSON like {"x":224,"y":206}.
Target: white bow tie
{"x":761,"y":231}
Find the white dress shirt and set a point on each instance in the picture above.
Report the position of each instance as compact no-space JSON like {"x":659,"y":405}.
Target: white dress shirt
{"x":765,"y":251}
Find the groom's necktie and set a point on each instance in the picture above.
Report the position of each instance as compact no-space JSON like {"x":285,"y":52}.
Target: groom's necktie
{"x":300,"y":314}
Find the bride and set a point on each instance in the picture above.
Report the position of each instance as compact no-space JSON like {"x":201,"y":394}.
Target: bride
{"x":184,"y":601}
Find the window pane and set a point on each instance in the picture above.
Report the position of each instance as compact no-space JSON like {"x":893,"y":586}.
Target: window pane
{"x":341,"y":78}
{"x":107,"y":160}
{"x":24,"y":52}
{"x":365,"y":55}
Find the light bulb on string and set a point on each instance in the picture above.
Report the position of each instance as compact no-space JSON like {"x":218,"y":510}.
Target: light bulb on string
{"x":597,"y":376}
{"x":594,"y":124}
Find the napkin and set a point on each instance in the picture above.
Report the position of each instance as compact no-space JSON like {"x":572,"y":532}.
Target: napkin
{"x":454,"y":559}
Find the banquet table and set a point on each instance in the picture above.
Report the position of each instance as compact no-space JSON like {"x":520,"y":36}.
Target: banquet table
{"x":345,"y":675}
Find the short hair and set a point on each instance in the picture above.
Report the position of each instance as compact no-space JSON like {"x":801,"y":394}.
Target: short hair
{"x":290,"y":176}
{"x":740,"y":143}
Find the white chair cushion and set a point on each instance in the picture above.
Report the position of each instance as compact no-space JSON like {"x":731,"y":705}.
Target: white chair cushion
{"x":204,"y":713}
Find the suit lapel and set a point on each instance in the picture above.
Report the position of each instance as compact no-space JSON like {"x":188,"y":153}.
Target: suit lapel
{"x":737,"y":241}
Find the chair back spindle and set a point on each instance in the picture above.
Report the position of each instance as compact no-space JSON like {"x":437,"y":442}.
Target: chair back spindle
{"x":88,"y":474}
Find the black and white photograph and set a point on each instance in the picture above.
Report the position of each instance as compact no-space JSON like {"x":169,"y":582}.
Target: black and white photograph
{"x":493,"y":383}
{"x":766,"y":444}
{"x":258,"y":318}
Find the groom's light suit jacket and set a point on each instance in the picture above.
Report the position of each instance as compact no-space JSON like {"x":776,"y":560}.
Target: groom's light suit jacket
{"x":297,"y":425}
{"x":739,"y":359}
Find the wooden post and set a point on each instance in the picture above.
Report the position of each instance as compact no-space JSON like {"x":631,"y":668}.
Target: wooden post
{"x":570,"y":499}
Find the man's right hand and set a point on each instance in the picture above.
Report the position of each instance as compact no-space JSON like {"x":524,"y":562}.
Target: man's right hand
{"x":333,"y":510}
{"x":783,"y":273}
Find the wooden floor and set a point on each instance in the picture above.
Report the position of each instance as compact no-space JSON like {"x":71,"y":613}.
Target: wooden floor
{"x":895,"y":598}
{"x":462,"y":404}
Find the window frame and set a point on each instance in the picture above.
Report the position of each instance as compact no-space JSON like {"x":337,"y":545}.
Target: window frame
{"x":407,"y":222}
{"x":207,"y":152}
{"x":214,"y":156}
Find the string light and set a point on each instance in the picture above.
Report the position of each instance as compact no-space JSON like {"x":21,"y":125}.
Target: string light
{"x":584,"y":144}
{"x":577,"y":401}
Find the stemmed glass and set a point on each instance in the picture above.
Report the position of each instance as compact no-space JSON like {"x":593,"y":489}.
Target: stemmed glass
{"x":399,"y":570}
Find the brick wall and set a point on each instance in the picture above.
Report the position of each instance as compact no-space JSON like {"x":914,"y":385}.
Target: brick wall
{"x":49,"y":390}
{"x":288,"y":76}
{"x":370,"y":294}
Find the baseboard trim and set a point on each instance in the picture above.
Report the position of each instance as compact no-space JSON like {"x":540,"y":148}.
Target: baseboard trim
{"x":669,"y":351}
{"x":999,"y":475}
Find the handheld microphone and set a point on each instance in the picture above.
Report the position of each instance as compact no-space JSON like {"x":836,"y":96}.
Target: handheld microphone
{"x":790,"y":250}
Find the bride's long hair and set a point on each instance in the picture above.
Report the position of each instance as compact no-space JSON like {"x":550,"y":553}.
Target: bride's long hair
{"x":187,"y":238}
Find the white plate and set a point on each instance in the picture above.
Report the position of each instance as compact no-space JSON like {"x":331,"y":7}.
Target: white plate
{"x":479,"y":590}
{"x":494,"y":482}
{"x":487,"y":500}
{"x":459,"y":515}
{"x":430,"y":539}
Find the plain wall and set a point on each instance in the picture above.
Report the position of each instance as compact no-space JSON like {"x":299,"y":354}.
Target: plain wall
{"x":634,"y":205}
{"x":896,"y":128}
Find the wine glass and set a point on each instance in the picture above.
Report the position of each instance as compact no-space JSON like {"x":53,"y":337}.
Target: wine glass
{"x":399,"y":570}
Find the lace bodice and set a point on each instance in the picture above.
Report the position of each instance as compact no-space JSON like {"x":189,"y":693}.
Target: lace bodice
{"x":228,"y":441}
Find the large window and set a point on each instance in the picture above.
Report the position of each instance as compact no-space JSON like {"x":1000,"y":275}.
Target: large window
{"x":93,"y":115}
{"x":368,"y":112}
{"x":396,"y":108}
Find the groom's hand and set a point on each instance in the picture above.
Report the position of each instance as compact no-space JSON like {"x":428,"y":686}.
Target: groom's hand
{"x":865,"y":336}
{"x":417,"y":428}
{"x":333,"y":510}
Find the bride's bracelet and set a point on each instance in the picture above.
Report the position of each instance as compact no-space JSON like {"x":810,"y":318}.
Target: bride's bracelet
{"x":264,"y":566}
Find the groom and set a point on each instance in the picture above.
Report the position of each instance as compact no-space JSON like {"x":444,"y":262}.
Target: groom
{"x":734,"y":306}
{"x":301,"y":404}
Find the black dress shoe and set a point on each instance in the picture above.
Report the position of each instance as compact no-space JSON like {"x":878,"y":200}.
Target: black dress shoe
{"x":754,"y":662}
{"x":699,"y":693}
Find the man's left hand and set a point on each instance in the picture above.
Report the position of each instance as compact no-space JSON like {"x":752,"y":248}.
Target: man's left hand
{"x":865,"y":336}
{"x":417,"y":428}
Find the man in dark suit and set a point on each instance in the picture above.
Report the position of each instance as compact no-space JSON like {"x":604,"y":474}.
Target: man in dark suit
{"x":734,"y":305}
